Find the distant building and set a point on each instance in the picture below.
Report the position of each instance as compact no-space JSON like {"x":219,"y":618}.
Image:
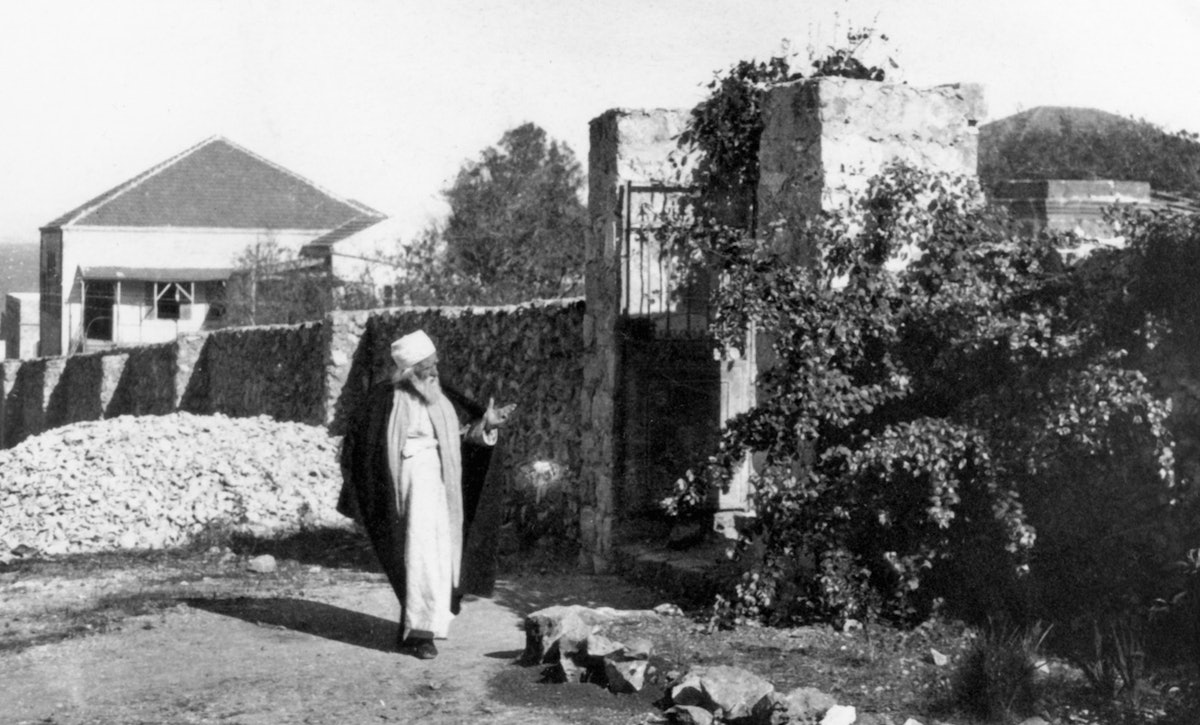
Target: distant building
{"x":1069,"y":205}
{"x":356,"y":256}
{"x":1078,"y":205}
{"x":141,"y":262}
{"x":20,"y":325}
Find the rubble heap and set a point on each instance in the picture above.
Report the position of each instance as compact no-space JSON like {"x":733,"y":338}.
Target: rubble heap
{"x":156,"y":481}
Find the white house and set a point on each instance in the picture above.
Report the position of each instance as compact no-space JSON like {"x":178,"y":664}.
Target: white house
{"x":362,"y":254}
{"x":141,"y":262}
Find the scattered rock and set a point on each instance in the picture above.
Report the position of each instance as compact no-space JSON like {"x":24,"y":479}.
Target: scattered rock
{"x":839,"y":715}
{"x":638,"y":649}
{"x":668,"y":610}
{"x":808,"y":703}
{"x":568,"y":669}
{"x":555,"y":630}
{"x":597,"y":645}
{"x":730,"y":689}
{"x":690,"y":715}
{"x":625,"y":676}
{"x":164,"y":479}
{"x":264,"y":564}
{"x":938,"y":658}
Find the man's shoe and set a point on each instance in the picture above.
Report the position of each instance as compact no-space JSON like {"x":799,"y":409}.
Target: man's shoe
{"x":422,"y":649}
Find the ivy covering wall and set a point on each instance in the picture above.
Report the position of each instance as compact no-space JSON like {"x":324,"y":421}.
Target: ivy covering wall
{"x":531,"y":355}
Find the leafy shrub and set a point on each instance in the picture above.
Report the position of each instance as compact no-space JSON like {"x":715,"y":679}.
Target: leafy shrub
{"x":995,"y":680}
{"x":925,"y":426}
{"x":949,"y":410}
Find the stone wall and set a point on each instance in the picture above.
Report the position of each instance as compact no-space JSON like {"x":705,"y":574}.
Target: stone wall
{"x":314,"y":372}
{"x":527,"y":354}
{"x":43,"y":393}
{"x":824,"y":139}
{"x":276,"y":370}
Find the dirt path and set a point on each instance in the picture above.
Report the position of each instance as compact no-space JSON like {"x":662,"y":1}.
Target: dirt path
{"x":317,"y":655}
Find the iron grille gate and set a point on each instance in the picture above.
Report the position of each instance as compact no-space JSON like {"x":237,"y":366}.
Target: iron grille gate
{"x":669,"y":404}
{"x":655,"y":282}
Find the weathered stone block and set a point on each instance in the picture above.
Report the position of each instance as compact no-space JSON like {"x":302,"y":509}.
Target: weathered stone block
{"x":824,"y":139}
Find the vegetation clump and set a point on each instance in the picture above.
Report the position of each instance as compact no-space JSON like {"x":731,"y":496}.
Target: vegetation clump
{"x":982,"y":428}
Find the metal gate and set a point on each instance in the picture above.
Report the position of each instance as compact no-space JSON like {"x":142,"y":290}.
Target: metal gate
{"x":669,"y":403}
{"x":656,"y":279}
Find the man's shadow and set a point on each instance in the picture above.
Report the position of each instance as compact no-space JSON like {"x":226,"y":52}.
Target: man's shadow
{"x":301,"y":615}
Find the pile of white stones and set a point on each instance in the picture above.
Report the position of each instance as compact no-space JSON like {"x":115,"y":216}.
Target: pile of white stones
{"x":157,"y":481}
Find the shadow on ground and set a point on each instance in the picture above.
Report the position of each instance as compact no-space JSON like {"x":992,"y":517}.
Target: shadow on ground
{"x":525,"y":594}
{"x":333,"y":548}
{"x":301,"y":615}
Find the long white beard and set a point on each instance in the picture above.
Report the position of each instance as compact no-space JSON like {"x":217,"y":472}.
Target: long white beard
{"x":429,"y":389}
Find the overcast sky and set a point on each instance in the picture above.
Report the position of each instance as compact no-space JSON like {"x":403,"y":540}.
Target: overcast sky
{"x":383,"y":100}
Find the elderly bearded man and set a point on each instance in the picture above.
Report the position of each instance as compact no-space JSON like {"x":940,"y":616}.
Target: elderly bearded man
{"x":402,"y":469}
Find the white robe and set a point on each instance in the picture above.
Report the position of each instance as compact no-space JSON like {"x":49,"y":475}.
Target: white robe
{"x":431,"y":567}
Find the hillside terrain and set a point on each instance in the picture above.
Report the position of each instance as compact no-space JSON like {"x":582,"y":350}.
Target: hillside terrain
{"x":18,"y":268}
{"x":1053,"y":142}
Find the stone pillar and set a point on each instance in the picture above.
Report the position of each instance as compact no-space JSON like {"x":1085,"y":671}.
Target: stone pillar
{"x":824,"y":139}
{"x":627,"y":146}
{"x":112,"y":367}
{"x":738,"y":374}
{"x":343,"y":334}
{"x":187,"y":356}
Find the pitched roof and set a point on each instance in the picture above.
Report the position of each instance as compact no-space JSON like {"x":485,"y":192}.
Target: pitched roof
{"x":320,"y":246}
{"x":217,"y":184}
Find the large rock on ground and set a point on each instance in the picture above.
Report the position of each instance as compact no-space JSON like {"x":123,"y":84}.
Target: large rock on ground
{"x":731,"y":691}
{"x":565,"y":629}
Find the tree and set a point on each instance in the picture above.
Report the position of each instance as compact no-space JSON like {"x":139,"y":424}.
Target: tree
{"x":271,"y":285}
{"x":516,"y":226}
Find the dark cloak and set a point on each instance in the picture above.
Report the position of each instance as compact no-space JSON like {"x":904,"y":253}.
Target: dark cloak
{"x":368,"y":494}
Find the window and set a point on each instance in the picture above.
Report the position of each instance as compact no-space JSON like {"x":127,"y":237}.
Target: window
{"x":172,"y":300}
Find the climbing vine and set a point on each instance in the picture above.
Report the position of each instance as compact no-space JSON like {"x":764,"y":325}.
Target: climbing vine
{"x":975,"y":427}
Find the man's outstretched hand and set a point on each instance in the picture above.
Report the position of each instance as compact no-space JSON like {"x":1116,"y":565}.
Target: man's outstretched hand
{"x":495,"y":417}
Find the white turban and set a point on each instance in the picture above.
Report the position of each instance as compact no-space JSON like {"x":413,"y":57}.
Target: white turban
{"x":412,"y":349}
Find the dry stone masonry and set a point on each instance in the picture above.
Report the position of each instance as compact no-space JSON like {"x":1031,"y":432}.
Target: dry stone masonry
{"x":157,"y":481}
